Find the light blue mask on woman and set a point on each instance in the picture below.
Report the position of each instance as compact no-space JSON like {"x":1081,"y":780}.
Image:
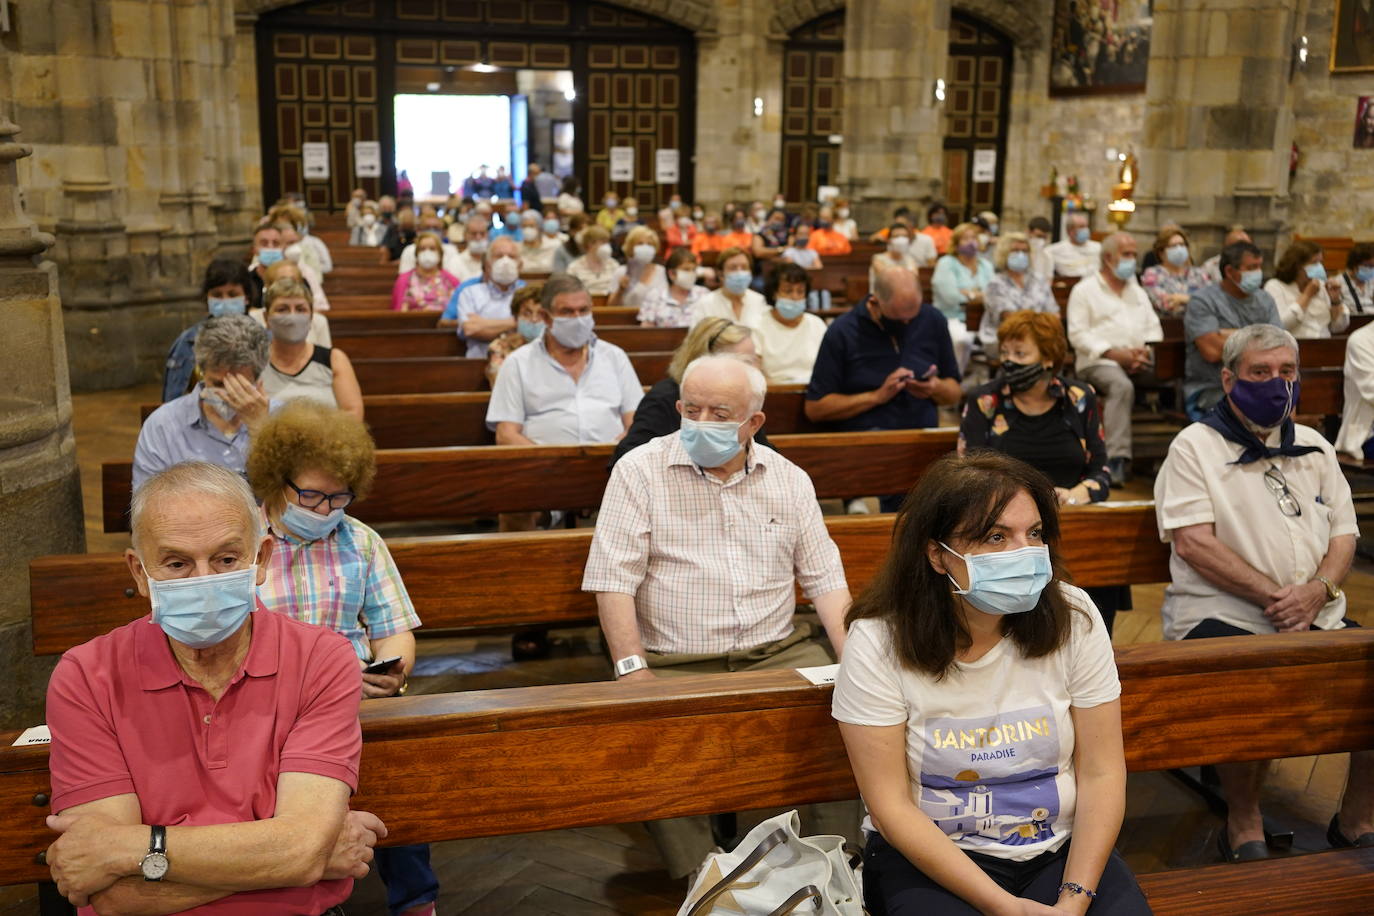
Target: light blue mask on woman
{"x":235,"y":305}
{"x":204,"y":611}
{"x":1316,"y":272}
{"x":790,"y":308}
{"x":737,"y":281}
{"x":710,"y":443}
{"x":309,"y":525}
{"x":1017,"y":262}
{"x":530,"y":330}
{"x":1007,"y":582}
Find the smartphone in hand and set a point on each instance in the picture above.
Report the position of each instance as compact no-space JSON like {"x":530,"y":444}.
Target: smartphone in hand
{"x":383,"y":665}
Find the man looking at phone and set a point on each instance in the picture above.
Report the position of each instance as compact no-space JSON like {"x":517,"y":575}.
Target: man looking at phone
{"x":885,"y":364}
{"x":237,"y":726}
{"x":1111,"y":325}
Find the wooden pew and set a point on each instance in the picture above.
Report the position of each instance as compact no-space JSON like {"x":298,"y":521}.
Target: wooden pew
{"x":76,"y":598}
{"x":351,"y":322}
{"x":445,"y":341}
{"x":554,"y":757}
{"x":435,"y":484}
{"x":1315,"y":356}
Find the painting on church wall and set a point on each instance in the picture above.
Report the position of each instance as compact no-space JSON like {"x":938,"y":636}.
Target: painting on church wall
{"x":1364,"y":122}
{"x":1100,"y":46}
{"x":1352,"y":40}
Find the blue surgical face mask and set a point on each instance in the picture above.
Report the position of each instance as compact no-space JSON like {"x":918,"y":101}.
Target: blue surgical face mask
{"x":1176,"y":255}
{"x":1007,"y":582}
{"x":236,"y":305}
{"x":1364,"y":274}
{"x":269,"y":256}
{"x":220,"y":406}
{"x":1017,"y":262}
{"x":530,"y":330}
{"x":551,"y":226}
{"x":737,"y":281}
{"x":710,"y":443}
{"x":1316,"y":272}
{"x":308,"y":524}
{"x":790,"y":308}
{"x":1125,"y":268}
{"x":1251,"y":280}
{"x":204,"y":611}
{"x":1082,"y":236}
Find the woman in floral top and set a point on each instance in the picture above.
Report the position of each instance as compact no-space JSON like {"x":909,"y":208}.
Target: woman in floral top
{"x":427,"y":287}
{"x":1172,"y":282}
{"x":1031,"y":412}
{"x":529,"y":327}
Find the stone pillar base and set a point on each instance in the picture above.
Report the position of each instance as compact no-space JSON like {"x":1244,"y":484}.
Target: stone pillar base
{"x":124,"y":346}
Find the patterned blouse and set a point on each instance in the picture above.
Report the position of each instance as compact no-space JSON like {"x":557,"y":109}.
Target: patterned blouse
{"x":499,"y":349}
{"x":1160,"y":283}
{"x":990,"y":412}
{"x":1002,"y":296}
{"x":661,"y":308}
{"x":414,"y":293}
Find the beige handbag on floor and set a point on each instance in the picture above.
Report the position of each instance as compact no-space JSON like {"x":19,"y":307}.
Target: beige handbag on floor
{"x":775,"y":871}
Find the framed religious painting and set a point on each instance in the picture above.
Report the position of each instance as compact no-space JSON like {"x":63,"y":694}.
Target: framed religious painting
{"x":1352,"y":38}
{"x":1099,"y":48}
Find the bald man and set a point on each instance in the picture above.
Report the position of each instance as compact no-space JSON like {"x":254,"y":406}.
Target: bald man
{"x":702,"y":539}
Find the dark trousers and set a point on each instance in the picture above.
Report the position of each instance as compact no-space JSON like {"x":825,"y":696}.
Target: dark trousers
{"x":1211,"y":628}
{"x":407,"y":875}
{"x":895,"y":887}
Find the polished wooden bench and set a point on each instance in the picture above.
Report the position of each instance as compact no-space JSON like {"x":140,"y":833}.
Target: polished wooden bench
{"x":481,"y":581}
{"x":501,"y":762}
{"x":440,"y":484}
{"x":381,"y":318}
{"x":445,"y":341}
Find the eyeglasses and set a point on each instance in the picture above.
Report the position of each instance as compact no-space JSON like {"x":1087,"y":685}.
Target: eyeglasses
{"x":312,"y":499}
{"x":1278,"y":485}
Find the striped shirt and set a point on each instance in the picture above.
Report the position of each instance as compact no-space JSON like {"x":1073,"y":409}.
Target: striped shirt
{"x":711,"y":563}
{"x":345,"y":581}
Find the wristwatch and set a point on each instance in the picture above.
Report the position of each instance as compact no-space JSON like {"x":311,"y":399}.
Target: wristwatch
{"x":154,"y":865}
{"x":1332,"y":590}
{"x":629,"y":665}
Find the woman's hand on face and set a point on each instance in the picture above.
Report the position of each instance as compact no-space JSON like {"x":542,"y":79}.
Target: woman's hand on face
{"x":246,"y":398}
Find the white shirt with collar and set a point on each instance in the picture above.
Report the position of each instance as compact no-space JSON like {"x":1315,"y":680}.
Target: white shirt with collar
{"x":533,"y":390}
{"x":1357,"y":414}
{"x":539,"y":258}
{"x":450,"y":263}
{"x":1308,"y":323}
{"x":466,"y":266}
{"x":1072,"y":260}
{"x":1100,"y":320}
{"x":714,"y":304}
{"x":1198,"y":485}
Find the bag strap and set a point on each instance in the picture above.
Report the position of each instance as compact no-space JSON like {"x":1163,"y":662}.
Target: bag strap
{"x":766,"y":845}
{"x":790,"y":905}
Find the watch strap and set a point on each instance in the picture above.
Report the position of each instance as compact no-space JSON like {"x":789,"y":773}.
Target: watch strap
{"x":1332,"y":590}
{"x":158,"y":841}
{"x":629,"y":665}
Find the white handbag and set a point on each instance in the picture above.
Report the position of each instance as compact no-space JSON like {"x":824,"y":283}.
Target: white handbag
{"x":775,"y":871}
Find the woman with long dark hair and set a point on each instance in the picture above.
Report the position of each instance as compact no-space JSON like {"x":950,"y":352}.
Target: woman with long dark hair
{"x":979,"y":702}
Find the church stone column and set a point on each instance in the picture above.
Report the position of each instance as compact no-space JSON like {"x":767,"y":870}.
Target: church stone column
{"x":894,"y":132}
{"x":40,"y":490}
{"x":1217,"y":127}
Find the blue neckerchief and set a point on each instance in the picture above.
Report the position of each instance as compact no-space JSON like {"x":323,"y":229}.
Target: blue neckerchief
{"x":1224,"y":420}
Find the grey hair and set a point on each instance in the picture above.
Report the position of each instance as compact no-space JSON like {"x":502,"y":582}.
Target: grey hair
{"x":477,"y":220}
{"x":489,"y":257}
{"x":758,"y":385}
{"x":198,"y":478}
{"x":287,"y":288}
{"x":559,"y":285}
{"x":231,"y":342}
{"x":1111,"y":245}
{"x":1255,"y":337}
{"x":1076,"y":215}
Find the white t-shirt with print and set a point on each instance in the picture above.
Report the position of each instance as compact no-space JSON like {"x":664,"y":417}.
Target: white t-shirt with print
{"x":990,"y":746}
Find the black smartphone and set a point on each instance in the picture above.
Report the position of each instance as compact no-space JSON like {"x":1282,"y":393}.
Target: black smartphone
{"x":382,"y":665}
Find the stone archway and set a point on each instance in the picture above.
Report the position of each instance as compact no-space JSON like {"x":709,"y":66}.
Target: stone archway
{"x":1012,"y":19}
{"x":793,"y":14}
{"x":697,"y":15}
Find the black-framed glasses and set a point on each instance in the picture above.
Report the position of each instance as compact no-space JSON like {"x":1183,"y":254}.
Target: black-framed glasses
{"x":312,"y":499}
{"x":1278,"y":485}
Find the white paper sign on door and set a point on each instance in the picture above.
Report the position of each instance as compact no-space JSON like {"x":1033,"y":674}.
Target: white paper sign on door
{"x":622,"y":163}
{"x":666,"y":166}
{"x":984,"y":166}
{"x":367,"y":159}
{"x":316,"y":157}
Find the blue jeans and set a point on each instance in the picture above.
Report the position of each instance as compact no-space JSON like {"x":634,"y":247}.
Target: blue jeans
{"x":408,"y":878}
{"x":1191,"y":408}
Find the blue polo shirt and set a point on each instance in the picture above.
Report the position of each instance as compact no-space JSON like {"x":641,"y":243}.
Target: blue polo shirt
{"x":857,"y":354}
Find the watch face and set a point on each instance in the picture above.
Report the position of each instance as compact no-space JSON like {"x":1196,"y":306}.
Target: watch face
{"x":154,"y":866}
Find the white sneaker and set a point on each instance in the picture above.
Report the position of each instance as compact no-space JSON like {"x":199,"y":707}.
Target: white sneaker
{"x":858,"y":507}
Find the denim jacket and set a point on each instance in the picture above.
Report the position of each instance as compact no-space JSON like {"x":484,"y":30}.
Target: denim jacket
{"x":181,"y":364}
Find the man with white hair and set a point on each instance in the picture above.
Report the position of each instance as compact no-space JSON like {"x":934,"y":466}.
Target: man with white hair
{"x":537,"y":245}
{"x":1263,"y":531}
{"x":476,"y":233}
{"x":1111,"y":326}
{"x":1076,"y":255}
{"x":702,"y":538}
{"x":481,"y":309}
{"x":237,"y":725}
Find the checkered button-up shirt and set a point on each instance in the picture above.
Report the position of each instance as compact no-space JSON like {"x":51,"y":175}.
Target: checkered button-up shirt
{"x":346,"y":581}
{"x":711,"y":563}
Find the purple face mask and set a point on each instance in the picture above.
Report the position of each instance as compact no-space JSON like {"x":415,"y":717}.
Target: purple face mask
{"x":1267,"y":403}
{"x":968,"y":249}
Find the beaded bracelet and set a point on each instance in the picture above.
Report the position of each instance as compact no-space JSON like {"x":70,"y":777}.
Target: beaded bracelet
{"x":1077,"y":889}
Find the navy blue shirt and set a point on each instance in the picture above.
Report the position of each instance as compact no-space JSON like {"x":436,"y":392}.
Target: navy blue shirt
{"x":857,"y":354}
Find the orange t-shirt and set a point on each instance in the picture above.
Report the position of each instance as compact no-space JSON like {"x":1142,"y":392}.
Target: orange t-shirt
{"x":743,"y":240}
{"x":708,"y":241}
{"x":828,"y":241}
{"x":940,"y":235}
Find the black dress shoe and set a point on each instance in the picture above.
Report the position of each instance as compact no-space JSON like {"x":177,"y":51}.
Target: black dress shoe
{"x":1339,"y":840}
{"x":1246,"y":852}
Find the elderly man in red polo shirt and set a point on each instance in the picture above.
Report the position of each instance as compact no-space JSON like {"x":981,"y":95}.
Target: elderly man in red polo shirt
{"x":203,"y":756}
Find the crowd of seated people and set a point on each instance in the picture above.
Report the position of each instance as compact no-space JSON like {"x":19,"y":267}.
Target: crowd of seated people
{"x":1255,"y":507}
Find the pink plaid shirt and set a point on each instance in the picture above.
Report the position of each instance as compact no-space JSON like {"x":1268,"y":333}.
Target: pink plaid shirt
{"x":711,"y":563}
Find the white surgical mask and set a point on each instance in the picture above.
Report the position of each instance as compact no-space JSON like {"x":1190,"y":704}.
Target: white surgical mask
{"x":686,"y":278}
{"x":842,"y":213}
{"x":477,"y":246}
{"x":643,"y":254}
{"x":900,"y":244}
{"x":428,"y":259}
{"x":530,"y":234}
{"x":604,"y":251}
{"x":631,"y":212}
{"x":292,"y":252}
{"x":505,"y":270}
{"x":369,"y":220}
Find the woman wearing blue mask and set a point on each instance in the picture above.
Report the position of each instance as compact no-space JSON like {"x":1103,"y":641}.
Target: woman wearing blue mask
{"x":1310,"y":304}
{"x":1173,"y":280}
{"x":529,"y":327}
{"x":790,"y":337}
{"x":226,"y":288}
{"x":1358,"y":277}
{"x":970,"y":670}
{"x":1015,"y":288}
{"x":308,"y":464}
{"x":734,"y":299}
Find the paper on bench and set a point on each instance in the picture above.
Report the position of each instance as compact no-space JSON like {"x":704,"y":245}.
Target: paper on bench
{"x":820,"y":674}
{"x":39,"y":734}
